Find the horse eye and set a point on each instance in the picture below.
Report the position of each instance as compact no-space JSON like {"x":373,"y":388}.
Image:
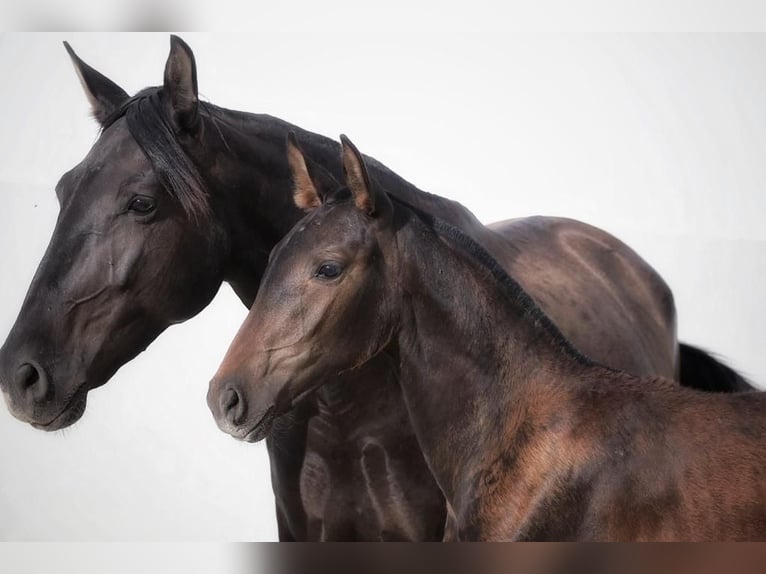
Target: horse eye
{"x":328,"y":270}
{"x":142,"y":204}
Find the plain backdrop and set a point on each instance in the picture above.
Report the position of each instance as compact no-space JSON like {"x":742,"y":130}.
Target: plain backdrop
{"x":658,"y":139}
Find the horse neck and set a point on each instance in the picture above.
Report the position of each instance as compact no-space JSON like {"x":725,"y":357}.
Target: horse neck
{"x":243,"y":162}
{"x":241,"y":158}
{"x":479,"y":367}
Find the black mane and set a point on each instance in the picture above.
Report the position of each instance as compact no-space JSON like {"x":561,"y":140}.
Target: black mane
{"x":515,"y":291}
{"x":150,"y":125}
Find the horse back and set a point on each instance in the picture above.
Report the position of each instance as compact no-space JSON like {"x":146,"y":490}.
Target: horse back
{"x":603,"y":296}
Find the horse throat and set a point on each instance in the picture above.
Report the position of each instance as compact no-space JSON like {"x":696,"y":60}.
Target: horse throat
{"x":241,"y":160}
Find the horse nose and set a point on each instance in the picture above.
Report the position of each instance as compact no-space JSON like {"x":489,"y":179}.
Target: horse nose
{"x":232,"y":406}
{"x":32,"y":383}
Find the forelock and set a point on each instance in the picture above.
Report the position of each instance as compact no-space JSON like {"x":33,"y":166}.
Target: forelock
{"x":149,"y":124}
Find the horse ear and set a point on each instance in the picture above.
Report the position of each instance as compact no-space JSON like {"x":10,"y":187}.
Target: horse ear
{"x":180,"y":84}
{"x":311,"y":182}
{"x":366,"y":197}
{"x":305,"y":193}
{"x":103,"y":94}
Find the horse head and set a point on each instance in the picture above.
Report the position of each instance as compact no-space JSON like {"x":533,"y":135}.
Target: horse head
{"x":136,"y":247}
{"x":326,"y":302}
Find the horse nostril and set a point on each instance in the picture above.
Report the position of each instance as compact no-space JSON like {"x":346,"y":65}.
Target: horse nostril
{"x":32,"y":382}
{"x":232,"y":406}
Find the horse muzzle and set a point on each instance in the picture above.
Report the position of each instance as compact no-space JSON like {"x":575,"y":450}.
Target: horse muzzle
{"x":32,"y":398}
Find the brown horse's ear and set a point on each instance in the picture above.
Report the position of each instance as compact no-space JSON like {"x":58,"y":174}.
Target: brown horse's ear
{"x":305,"y":193}
{"x":180,"y":84}
{"x":366,"y":196}
{"x":103,"y":94}
{"x":311,"y":182}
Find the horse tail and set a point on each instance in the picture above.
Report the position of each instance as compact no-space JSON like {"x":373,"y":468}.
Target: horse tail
{"x":700,"y":370}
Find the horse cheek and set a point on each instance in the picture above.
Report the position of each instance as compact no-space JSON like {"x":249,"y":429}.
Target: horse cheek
{"x":124,"y":259}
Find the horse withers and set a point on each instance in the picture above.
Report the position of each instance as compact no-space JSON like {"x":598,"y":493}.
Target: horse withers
{"x":527,"y":438}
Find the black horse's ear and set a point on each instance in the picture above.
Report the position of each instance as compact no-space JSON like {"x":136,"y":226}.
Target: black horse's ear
{"x":311,"y":182}
{"x":180,"y":84}
{"x":103,"y":94}
{"x":366,"y":197}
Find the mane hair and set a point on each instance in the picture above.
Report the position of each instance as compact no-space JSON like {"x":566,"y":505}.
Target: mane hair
{"x":515,"y":292}
{"x":150,"y":125}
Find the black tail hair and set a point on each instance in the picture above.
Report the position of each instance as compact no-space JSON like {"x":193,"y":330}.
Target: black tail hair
{"x":700,"y":370}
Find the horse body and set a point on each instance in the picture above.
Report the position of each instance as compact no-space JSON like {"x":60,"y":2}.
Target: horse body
{"x":527,"y":438}
{"x":692,"y":471}
{"x":219,"y":190}
{"x":615,"y":458}
{"x":579,"y":275}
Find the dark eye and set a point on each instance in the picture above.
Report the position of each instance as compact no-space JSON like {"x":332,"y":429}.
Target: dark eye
{"x":142,"y":204}
{"x":328,"y":270}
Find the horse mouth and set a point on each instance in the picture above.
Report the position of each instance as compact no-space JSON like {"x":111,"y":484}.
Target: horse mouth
{"x":262,"y":428}
{"x":70,"y":414}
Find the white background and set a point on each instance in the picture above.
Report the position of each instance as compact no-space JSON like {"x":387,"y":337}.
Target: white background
{"x":657,"y":139}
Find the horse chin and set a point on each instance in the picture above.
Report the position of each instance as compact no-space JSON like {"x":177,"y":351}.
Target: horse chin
{"x":262,"y":428}
{"x":71,"y":413}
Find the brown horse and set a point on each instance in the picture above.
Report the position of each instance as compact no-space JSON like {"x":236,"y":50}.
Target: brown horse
{"x":527,"y":438}
{"x":177,"y":196}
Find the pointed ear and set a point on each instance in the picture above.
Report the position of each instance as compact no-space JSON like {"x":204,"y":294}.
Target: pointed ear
{"x":311,"y":182}
{"x":180,"y":84}
{"x":305,"y":193}
{"x":357,"y":178}
{"x":103,"y":94}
